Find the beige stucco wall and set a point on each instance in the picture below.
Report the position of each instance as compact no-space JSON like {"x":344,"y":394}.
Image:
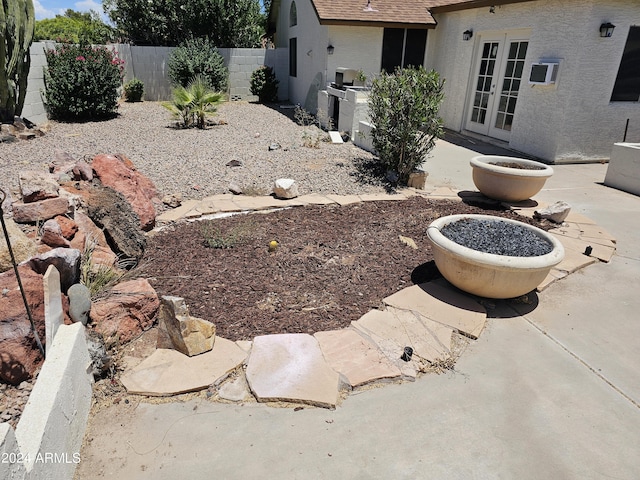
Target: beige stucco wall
{"x":570,"y":121}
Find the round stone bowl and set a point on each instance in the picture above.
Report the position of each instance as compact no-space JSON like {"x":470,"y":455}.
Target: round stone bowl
{"x":508,"y":184}
{"x":487,"y":274}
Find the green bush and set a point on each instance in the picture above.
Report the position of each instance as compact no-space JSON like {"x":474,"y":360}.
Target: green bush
{"x":198,"y":56}
{"x":133,"y":90}
{"x":192,"y":105}
{"x":404,"y":111}
{"x":264,"y":84}
{"x":81,"y":82}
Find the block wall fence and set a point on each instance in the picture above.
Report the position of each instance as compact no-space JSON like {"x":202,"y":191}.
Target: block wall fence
{"x":150,"y":65}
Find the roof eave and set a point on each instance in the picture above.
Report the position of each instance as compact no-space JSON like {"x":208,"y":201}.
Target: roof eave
{"x":473,"y":4}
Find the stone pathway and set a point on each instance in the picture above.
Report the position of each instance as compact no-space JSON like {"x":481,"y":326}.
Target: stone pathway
{"x":316,"y":369}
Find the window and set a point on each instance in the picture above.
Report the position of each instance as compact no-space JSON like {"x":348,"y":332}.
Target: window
{"x":403,"y":48}
{"x":293,"y":15}
{"x":293,"y":57}
{"x":627,"y":86}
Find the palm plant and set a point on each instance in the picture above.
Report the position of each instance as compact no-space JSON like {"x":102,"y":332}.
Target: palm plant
{"x":193,"y":104}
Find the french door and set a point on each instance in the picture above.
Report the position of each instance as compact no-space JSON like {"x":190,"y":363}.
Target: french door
{"x":498,"y":74}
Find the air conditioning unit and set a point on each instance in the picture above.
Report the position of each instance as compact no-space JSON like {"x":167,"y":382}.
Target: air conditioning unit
{"x":543,"y":73}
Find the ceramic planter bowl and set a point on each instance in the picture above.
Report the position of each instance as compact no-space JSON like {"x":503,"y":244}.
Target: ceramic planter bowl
{"x":508,"y":184}
{"x":490,"y":275}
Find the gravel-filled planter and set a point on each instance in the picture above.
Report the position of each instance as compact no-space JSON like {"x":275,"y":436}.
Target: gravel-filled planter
{"x":519,"y":181}
{"x":525,"y":254}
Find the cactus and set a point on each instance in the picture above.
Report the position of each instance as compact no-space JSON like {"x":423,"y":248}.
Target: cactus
{"x":17,"y":24}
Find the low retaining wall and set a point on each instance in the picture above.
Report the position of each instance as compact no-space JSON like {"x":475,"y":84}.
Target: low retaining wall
{"x":623,"y":171}
{"x":46,"y":444}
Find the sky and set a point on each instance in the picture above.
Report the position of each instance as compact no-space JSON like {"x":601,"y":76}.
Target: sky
{"x":51,"y":8}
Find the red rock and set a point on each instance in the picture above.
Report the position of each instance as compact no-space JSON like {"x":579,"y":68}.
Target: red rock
{"x":82,"y":171}
{"x":68,"y":227}
{"x":89,"y":230}
{"x":128,"y":310}
{"x":136,"y":188}
{"x":52,"y":235}
{"x":19,"y":354}
{"x":39,"y":211}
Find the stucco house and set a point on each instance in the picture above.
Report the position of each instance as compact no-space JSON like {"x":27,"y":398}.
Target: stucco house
{"x":556,"y":80}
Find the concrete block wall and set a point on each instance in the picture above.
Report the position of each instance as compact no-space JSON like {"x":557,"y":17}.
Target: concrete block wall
{"x":150,"y":65}
{"x":33,"y":104}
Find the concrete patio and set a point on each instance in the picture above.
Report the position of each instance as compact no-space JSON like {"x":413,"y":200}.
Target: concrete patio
{"x":549,"y":392}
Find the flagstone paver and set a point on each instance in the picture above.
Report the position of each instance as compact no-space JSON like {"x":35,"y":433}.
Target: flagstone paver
{"x":264,"y":202}
{"x":291,"y":368}
{"x":177,"y":213}
{"x":169,"y":372}
{"x":430,"y":341}
{"x":444,"y":305}
{"x":343,"y":200}
{"x":316,"y":199}
{"x":601,"y":252}
{"x":553,"y":276}
{"x":358,"y":360}
{"x":574,"y":260}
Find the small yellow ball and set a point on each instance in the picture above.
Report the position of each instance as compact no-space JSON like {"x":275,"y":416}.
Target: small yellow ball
{"x":273,"y":245}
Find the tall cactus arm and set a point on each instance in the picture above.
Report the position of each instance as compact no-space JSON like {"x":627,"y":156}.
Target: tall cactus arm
{"x":26,"y":33}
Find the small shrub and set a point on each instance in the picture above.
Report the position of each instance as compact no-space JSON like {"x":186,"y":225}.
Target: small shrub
{"x":192,"y":105}
{"x":264,"y":84}
{"x":404,"y":110}
{"x":198,"y":56}
{"x":81,"y":82}
{"x":97,"y":278}
{"x":133,"y":90}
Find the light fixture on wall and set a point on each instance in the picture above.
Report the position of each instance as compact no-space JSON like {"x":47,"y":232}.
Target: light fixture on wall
{"x":330,"y":49}
{"x":606,"y":29}
{"x":467,"y":34}
{"x":492,"y":9}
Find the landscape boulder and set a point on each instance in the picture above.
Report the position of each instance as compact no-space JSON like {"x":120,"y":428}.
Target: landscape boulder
{"x":79,"y":303}
{"x":20,"y":357}
{"x":189,"y":335}
{"x":127,"y":310}
{"x":39,"y":211}
{"x":22,"y":246}
{"x":285,"y":188}
{"x":110,"y":211}
{"x":66,"y":260}
{"x":35,"y":185}
{"x":52,"y":235}
{"x":68,"y":227}
{"x":118,"y":173}
{"x":555,"y":213}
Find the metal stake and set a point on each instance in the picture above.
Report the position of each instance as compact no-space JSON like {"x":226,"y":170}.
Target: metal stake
{"x":3,"y":196}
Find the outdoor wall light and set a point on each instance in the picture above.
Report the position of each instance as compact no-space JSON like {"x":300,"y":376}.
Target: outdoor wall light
{"x":606,"y":29}
{"x":330,"y":49}
{"x":467,"y":34}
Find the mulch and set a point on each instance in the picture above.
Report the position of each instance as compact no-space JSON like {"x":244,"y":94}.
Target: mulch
{"x":332,"y":264}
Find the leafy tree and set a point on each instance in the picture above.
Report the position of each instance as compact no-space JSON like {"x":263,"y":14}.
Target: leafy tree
{"x":75,"y":27}
{"x":198,"y":56}
{"x":228,"y":23}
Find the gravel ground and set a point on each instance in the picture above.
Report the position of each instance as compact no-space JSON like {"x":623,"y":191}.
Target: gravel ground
{"x":193,"y":162}
{"x":496,"y":237}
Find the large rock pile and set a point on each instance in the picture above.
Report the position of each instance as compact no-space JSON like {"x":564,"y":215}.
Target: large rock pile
{"x":102,"y":207}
